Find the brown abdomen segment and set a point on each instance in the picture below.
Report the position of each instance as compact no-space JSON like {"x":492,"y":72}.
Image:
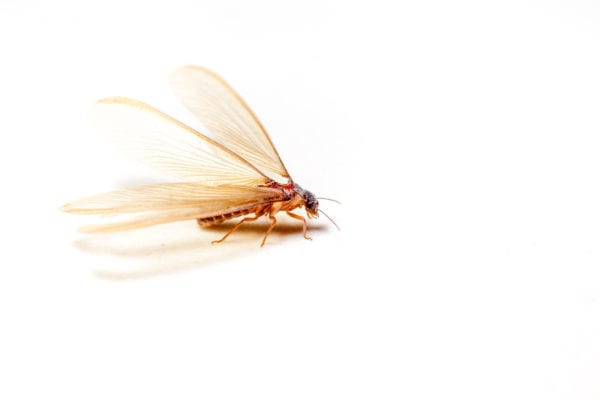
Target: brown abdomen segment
{"x":216,"y":219}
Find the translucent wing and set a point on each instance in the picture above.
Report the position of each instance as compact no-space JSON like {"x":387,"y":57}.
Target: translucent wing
{"x":168,"y":202}
{"x":140,"y":220}
{"x":152,"y":137}
{"x":228,"y":118}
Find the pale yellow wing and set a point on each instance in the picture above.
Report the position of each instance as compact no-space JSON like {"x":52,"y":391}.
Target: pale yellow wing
{"x":158,"y":140}
{"x":139,"y":220}
{"x":228,"y":118}
{"x":168,"y":202}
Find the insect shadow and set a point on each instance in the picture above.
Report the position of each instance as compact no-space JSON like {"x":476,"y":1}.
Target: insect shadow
{"x":177,"y":247}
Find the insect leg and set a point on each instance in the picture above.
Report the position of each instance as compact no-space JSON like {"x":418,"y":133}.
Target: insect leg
{"x":247,"y":219}
{"x":300,"y":218}
{"x":273,"y":222}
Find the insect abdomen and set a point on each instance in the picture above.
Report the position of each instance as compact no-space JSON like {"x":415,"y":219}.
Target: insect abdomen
{"x":215,"y":219}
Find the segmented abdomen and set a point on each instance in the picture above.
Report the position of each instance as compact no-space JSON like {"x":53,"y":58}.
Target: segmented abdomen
{"x":215,"y":219}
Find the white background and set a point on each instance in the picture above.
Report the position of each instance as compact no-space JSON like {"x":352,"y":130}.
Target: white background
{"x":461,"y":137}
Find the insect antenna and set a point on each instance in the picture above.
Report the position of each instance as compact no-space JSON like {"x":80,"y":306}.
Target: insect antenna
{"x":328,"y":199}
{"x":329,"y":218}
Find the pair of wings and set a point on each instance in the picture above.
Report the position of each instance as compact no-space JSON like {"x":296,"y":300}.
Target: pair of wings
{"x":219,"y":175}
